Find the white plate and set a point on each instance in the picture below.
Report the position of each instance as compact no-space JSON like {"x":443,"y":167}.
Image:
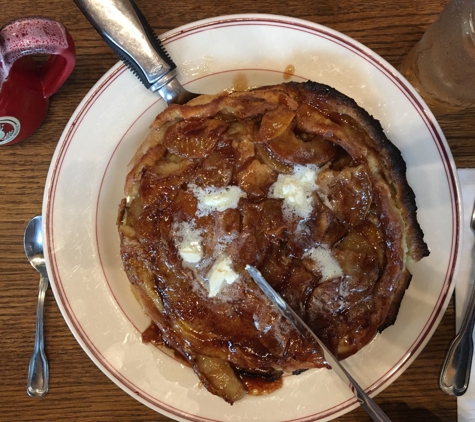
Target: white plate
{"x":84,"y":188}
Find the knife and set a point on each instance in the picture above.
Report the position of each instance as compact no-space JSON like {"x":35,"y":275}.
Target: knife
{"x":124,"y":28}
{"x":373,"y":410}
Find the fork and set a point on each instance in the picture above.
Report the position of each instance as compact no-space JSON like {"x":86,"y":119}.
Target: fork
{"x":455,"y":375}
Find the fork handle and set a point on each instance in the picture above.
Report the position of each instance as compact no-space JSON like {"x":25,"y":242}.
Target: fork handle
{"x":124,"y":28}
{"x":38,"y":371}
{"x":455,"y":374}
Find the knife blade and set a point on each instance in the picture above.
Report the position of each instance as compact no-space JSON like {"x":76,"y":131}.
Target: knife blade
{"x":124,"y":28}
{"x":373,"y":410}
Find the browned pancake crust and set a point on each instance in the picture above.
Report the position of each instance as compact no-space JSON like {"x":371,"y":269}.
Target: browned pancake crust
{"x":364,"y":213}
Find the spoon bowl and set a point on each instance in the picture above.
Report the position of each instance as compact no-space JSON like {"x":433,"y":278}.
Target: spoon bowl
{"x":38,"y":372}
{"x":33,"y":243}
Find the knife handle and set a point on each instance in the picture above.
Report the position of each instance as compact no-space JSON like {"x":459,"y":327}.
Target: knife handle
{"x":124,"y":28}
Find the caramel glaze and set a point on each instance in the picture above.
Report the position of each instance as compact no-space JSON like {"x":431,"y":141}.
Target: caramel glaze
{"x":255,"y":384}
{"x":153,"y":335}
{"x":247,"y":140}
{"x":289,"y":72}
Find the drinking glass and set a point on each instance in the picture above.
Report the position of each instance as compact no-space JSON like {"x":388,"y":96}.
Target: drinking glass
{"x":441,"y":66}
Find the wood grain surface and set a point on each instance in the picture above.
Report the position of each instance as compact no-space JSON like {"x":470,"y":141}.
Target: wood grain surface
{"x":79,"y":391}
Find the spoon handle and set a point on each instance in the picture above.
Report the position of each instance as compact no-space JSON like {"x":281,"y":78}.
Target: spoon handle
{"x":455,"y":374}
{"x":38,"y":371}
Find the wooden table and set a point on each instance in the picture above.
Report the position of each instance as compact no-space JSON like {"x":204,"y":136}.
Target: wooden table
{"x":78,"y":389}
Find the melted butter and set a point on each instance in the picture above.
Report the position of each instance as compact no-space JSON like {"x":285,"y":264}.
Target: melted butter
{"x":296,"y":190}
{"x":189,"y":248}
{"x":327,"y":264}
{"x":221,"y":272}
{"x":216,"y":199}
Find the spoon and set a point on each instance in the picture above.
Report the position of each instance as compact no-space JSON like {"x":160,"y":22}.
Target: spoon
{"x":455,"y":374}
{"x":38,"y":371}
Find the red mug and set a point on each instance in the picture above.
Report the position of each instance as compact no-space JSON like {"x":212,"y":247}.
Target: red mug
{"x":25,"y":85}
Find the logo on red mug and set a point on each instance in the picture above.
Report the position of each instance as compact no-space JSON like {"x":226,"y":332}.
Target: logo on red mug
{"x":9,"y":129}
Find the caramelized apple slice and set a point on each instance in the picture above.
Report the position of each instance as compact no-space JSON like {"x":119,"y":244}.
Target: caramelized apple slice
{"x":256,"y":179}
{"x":219,"y":378}
{"x":194,"y":138}
{"x":290,"y":149}
{"x":274,"y":123}
{"x":308,"y":118}
{"x":216,"y":169}
{"x":264,"y":153}
{"x":348,"y":193}
{"x":171,"y":165}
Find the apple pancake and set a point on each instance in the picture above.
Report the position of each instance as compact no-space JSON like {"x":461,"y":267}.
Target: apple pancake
{"x":295,"y":179}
